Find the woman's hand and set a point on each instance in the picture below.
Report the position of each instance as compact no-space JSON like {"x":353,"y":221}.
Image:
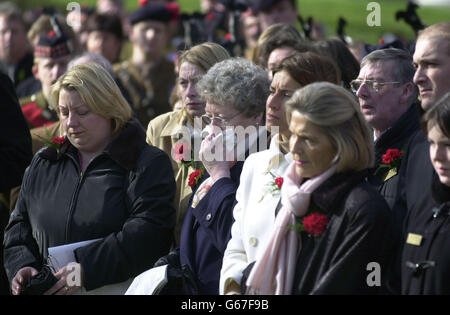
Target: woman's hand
{"x":69,"y":280}
{"x":20,"y":278}
{"x":213,"y":156}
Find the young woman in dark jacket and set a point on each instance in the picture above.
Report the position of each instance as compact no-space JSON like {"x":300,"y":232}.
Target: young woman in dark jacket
{"x":101,"y":181}
{"x":332,"y":229}
{"x":425,"y":258}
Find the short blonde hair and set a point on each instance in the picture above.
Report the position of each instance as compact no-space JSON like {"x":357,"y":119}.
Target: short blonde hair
{"x":336,"y":111}
{"x":204,"y":55}
{"x":98,"y":91}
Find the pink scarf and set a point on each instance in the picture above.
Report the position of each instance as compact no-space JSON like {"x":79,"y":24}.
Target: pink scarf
{"x":273,"y":273}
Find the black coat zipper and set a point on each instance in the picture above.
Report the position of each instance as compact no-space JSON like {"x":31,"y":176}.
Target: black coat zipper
{"x":74,"y":198}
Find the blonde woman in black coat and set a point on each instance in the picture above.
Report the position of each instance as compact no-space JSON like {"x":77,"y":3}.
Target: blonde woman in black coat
{"x":100,"y":182}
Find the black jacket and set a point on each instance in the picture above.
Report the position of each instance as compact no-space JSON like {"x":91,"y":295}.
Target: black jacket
{"x":426,"y":263}
{"x":15,"y":155}
{"x":358,"y":233}
{"x":15,"y":139}
{"x":124,"y":197}
{"x":395,"y":137}
{"x":414,"y":196}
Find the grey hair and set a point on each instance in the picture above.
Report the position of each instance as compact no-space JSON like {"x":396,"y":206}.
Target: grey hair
{"x":404,"y":68}
{"x":236,"y":82}
{"x":92,"y":57}
{"x":403,"y":71}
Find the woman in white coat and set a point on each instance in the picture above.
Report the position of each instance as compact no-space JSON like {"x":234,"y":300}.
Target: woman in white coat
{"x":258,"y":194}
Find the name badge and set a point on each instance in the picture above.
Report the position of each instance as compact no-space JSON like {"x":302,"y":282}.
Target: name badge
{"x":414,"y":239}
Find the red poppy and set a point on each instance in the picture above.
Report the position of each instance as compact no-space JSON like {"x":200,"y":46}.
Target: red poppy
{"x":194,"y":177}
{"x":141,"y":3}
{"x":181,"y":151}
{"x":391,"y":155}
{"x":315,"y":223}
{"x":279,"y":181}
{"x":58,"y":140}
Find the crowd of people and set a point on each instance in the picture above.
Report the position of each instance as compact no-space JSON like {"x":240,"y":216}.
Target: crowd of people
{"x":227,"y":147}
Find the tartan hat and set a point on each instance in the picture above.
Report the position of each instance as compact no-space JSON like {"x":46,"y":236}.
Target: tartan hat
{"x":52,"y":46}
{"x":154,"y":11}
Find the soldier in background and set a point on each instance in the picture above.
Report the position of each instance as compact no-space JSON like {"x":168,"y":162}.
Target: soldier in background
{"x":105,"y":36}
{"x":51,"y":56}
{"x":271,"y":12}
{"x":148,"y":76}
{"x":16,"y":54}
{"x":41,"y":27}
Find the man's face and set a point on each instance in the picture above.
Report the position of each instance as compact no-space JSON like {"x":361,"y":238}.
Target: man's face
{"x":150,"y":36}
{"x":432,"y":62}
{"x":282,"y":12}
{"x":383,"y":107}
{"x":13,"y":40}
{"x":105,"y":44}
{"x":48,"y":70}
{"x":251,"y":30}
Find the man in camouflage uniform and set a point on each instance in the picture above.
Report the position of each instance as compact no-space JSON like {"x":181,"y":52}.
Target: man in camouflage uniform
{"x":148,"y":76}
{"x":51,"y":56}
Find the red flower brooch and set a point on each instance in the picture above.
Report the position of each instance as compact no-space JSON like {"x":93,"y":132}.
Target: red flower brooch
{"x":391,"y":159}
{"x":315,"y":223}
{"x":274,"y":186}
{"x":55,"y":142}
{"x":195,"y":177}
{"x":182,"y":152}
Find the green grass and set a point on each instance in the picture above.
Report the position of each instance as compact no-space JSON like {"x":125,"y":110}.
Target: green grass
{"x":324,"y":11}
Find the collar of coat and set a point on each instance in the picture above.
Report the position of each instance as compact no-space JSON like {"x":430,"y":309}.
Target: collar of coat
{"x":440,"y":192}
{"x":398,"y":133}
{"x":333,"y":191}
{"x":124,"y":149}
{"x":177,"y":120}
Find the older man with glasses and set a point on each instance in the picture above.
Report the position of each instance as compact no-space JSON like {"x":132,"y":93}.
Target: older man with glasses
{"x":387,"y":96}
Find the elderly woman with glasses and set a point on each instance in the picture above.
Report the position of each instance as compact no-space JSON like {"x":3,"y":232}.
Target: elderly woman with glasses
{"x":175,"y":131}
{"x":258,"y":193}
{"x":235,"y":92}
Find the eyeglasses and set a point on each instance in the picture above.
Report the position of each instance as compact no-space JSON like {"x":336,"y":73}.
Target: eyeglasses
{"x":217,"y":120}
{"x":371,"y":84}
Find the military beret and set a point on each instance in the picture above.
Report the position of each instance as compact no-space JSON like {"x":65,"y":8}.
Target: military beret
{"x":52,"y":46}
{"x":151,"y":11}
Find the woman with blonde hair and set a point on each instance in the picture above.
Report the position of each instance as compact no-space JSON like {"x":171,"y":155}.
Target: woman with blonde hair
{"x":258,"y":193}
{"x":169,"y":131}
{"x":100,"y":183}
{"x":331,"y":225}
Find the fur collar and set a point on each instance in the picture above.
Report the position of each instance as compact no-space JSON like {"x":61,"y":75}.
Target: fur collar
{"x":333,"y":191}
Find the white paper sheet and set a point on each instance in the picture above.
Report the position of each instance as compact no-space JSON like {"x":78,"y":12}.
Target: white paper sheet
{"x":60,"y":256}
{"x":148,"y":282}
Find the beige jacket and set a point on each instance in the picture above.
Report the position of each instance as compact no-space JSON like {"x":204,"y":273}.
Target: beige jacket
{"x":164,"y":132}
